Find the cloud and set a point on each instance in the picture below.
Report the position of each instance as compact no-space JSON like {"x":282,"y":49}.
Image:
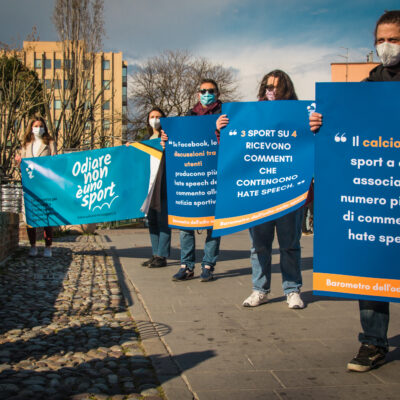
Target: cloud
{"x":305,"y":64}
{"x":320,"y":11}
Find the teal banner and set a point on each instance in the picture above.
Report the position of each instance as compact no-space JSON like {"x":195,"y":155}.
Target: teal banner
{"x":102,"y":185}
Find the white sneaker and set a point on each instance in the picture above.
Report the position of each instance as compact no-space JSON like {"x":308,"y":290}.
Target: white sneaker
{"x":33,"y":252}
{"x":294,"y":300}
{"x":47,"y":252}
{"x":255,"y":299}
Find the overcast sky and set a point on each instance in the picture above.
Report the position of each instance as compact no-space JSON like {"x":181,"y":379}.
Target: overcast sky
{"x":250,"y":36}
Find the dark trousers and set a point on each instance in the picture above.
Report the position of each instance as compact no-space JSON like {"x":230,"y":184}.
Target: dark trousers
{"x":374,"y":316}
{"x":48,"y":235}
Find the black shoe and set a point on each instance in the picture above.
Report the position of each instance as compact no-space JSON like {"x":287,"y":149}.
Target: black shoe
{"x":158,"y":262}
{"x":183,"y":274}
{"x":368,"y":357}
{"x":206,"y":274}
{"x":148,"y":262}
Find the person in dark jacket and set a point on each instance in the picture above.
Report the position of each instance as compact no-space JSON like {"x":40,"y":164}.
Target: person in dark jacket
{"x":374,"y":315}
{"x":208,"y":104}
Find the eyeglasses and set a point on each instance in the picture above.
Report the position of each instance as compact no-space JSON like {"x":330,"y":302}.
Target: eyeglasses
{"x":271,"y":87}
{"x":204,"y":91}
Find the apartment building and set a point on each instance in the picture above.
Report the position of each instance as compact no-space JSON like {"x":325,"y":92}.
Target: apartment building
{"x":107,"y":76}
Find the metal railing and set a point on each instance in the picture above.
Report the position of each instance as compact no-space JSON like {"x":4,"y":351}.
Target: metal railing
{"x":11,"y":196}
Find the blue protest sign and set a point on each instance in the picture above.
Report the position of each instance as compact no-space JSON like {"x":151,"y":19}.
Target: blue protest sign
{"x":265,"y":163}
{"x":90,"y":186}
{"x":357,"y":191}
{"x":191,"y":158}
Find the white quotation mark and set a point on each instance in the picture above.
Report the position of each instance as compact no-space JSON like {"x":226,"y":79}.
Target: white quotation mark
{"x":311,"y":108}
{"x":340,"y":137}
{"x":233,"y":133}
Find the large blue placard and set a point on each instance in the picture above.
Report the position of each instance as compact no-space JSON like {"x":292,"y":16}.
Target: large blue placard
{"x":191,"y":159}
{"x":265,"y":163}
{"x":85,"y":187}
{"x":357,"y":191}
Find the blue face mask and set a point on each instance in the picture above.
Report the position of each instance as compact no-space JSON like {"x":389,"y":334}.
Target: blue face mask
{"x":207,"y":98}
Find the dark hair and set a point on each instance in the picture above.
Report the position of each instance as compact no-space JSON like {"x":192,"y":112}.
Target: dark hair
{"x":28,"y":136}
{"x":148,"y":126}
{"x":206,"y":80}
{"x":389,"y":17}
{"x":285,"y":90}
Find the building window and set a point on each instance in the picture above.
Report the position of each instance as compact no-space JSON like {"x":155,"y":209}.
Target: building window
{"x":124,"y":110}
{"x":47,"y":64}
{"x":124,"y":90}
{"x":47,"y":83}
{"x":38,"y":63}
{"x":106,"y":64}
{"x":67,"y":84}
{"x":106,"y":125}
{"x":57,"y":63}
{"x":57,"y":83}
{"x":106,"y":85}
{"x":106,"y":105}
{"x":57,"y":104}
{"x":67,"y":64}
{"x":124,"y":75}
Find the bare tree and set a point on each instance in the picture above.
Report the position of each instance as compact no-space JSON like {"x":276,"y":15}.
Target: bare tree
{"x":80,"y":26}
{"x":170,"y":81}
{"x":20,"y":97}
{"x":77,"y":20}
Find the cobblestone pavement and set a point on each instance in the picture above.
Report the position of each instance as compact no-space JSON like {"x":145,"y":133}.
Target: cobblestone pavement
{"x":65,"y":332}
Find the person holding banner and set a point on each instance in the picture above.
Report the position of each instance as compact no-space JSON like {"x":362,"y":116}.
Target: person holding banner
{"x":374,"y":315}
{"x":37,"y":143}
{"x":157,"y":215}
{"x":208,"y":104}
{"x":276,"y":85}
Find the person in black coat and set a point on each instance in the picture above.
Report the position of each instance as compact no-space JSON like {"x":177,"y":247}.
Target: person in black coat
{"x":374,"y":315}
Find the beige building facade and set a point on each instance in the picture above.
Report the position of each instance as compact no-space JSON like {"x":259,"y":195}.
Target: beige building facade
{"x":106,"y":79}
{"x":351,"y":72}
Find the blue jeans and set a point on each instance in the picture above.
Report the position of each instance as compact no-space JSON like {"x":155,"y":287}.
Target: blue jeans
{"x":374,"y":316}
{"x":188,"y":249}
{"x":160,"y":233}
{"x":288,"y":229}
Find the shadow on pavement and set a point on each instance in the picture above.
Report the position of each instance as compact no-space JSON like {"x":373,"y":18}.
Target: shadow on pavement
{"x":105,"y":375}
{"x":30,"y":286}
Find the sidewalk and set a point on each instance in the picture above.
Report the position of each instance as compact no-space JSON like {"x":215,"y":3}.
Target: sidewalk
{"x":209,"y":347}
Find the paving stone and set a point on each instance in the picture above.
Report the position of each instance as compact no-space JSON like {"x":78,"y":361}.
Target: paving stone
{"x":58,"y":324}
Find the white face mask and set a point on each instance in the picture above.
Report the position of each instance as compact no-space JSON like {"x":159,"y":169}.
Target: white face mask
{"x":389,"y":53}
{"x":155,"y":123}
{"x":38,"y":131}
